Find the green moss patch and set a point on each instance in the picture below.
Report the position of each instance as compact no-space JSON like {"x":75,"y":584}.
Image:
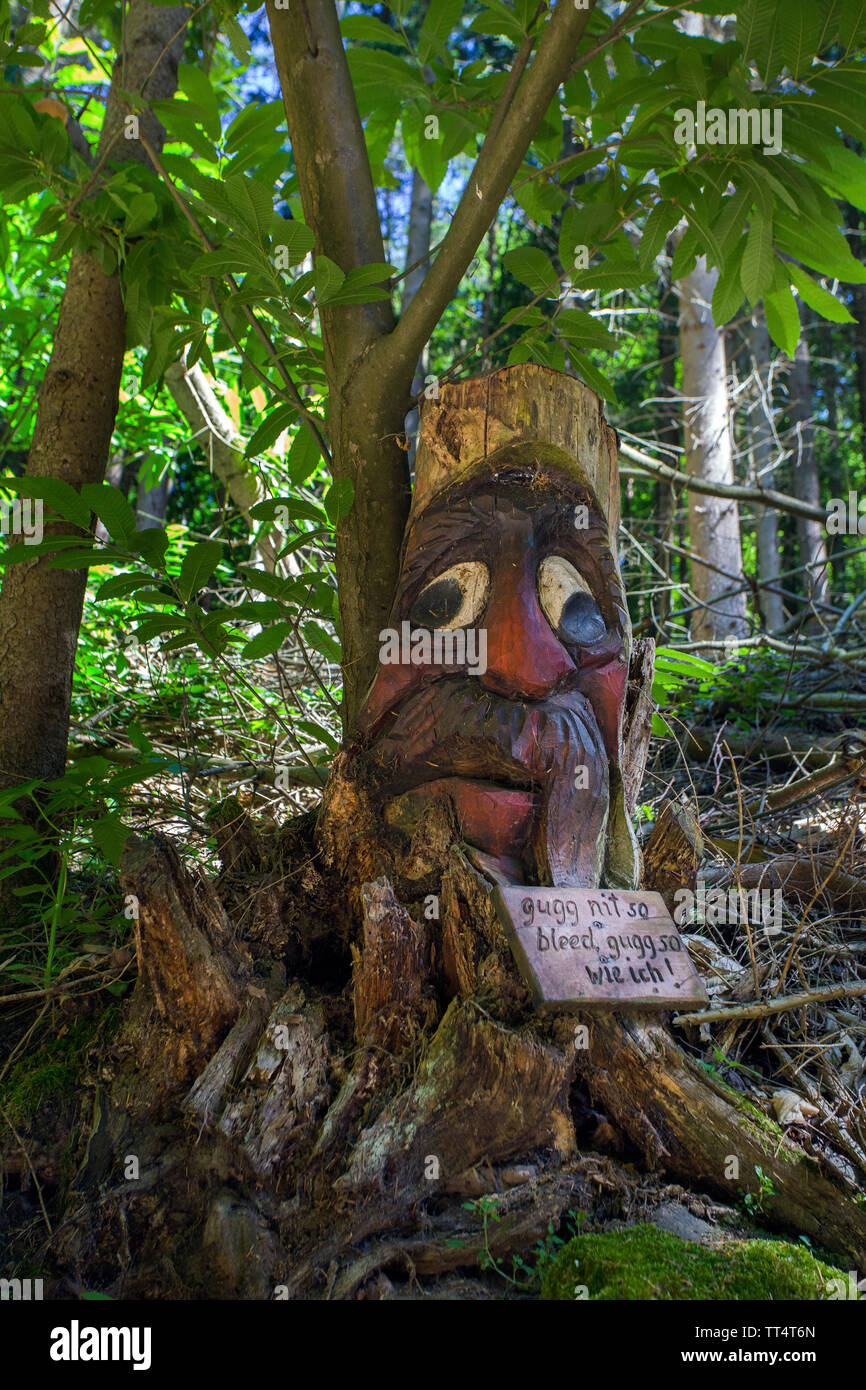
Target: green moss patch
{"x":642,"y":1262}
{"x":52,"y":1070}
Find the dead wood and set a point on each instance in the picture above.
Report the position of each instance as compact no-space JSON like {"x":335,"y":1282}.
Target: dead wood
{"x":685,"y":1123}
{"x":191,"y":966}
{"x":673,"y":852}
{"x":392,"y":999}
{"x":804,"y":877}
{"x":637,"y":718}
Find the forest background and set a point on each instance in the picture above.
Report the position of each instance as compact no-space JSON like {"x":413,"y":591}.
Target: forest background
{"x":171,"y":324}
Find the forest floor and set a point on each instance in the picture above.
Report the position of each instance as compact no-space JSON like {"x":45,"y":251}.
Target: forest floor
{"x":768,"y":775}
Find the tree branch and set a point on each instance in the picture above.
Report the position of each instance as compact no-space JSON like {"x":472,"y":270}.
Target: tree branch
{"x":514,"y":123}
{"x":337,"y":191}
{"x":765,"y":496}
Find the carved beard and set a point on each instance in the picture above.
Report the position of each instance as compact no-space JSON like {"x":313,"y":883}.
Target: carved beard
{"x":521,"y":749}
{"x":513,"y":772}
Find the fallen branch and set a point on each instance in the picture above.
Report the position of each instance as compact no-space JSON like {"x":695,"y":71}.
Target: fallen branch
{"x":758,"y":1008}
{"x":765,"y":497}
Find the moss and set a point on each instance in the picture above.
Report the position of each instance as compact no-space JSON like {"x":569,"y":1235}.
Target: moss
{"x":53,"y":1071}
{"x":642,"y":1262}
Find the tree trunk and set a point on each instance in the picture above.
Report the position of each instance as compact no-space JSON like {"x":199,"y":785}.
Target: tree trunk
{"x":331,"y":1047}
{"x":761,"y":445}
{"x":151,"y":503}
{"x":417,"y":247}
{"x":40,"y":608}
{"x":811,"y":535}
{"x":714,"y":522}
{"x":214,"y":432}
{"x":858,"y":308}
{"x":667,"y":431}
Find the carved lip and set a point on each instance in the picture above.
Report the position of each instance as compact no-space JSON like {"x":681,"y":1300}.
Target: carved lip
{"x":483,"y":765}
{"x":494,"y":818}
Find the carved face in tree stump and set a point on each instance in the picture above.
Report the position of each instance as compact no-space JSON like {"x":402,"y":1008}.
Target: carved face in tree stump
{"x":503,"y":670}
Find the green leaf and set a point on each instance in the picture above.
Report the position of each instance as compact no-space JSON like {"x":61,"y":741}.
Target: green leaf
{"x":303,"y":457}
{"x":270,"y":430}
{"x":728,"y":294}
{"x":121,"y":584}
{"x":801,"y":34}
{"x":151,"y":545}
{"x":818,"y":245}
{"x":195,"y":84}
{"x":731,"y":222}
{"x":584,"y":331}
{"x":62,"y":498}
{"x":110,"y":835}
{"x":756,"y":270}
{"x":142,"y":210}
{"x":593,"y":377}
{"x":267,"y":642}
{"x":365,"y":29}
{"x":817,"y":298}
{"x":252,"y":202}
{"x":198,"y":565}
{"x":113,"y":510}
{"x":322,"y":642}
{"x":662,"y":220}
{"x":533,"y":268}
{"x":240,"y":44}
{"x":838,"y":93}
{"x":298,"y":240}
{"x":440,"y":21}
{"x":256,"y":124}
{"x":783,"y":320}
{"x":327,"y":277}
{"x":339,"y":499}
{"x":611,"y":275}
{"x":361,"y":286}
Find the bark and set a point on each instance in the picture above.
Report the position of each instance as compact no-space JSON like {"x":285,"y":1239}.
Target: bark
{"x":40,"y":609}
{"x":858,"y":309}
{"x":761,"y":446}
{"x":417,"y":247}
{"x":714,"y":523}
{"x":152,"y":503}
{"x":667,"y":430}
{"x":811,"y":535}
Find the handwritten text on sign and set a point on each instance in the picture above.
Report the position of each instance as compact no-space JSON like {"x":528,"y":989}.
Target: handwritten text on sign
{"x":582,"y":946}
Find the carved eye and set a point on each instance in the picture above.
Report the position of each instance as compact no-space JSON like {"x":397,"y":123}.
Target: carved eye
{"x":454,"y":599}
{"x":568,"y":603}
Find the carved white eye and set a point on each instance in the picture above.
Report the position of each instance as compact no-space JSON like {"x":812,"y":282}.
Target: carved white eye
{"x":568,"y":603}
{"x":454,"y":599}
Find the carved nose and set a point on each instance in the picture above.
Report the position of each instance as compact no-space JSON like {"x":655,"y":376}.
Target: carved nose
{"x":525,"y":659}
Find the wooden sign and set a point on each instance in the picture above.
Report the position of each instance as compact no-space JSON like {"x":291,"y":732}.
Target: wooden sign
{"x":580,"y":948}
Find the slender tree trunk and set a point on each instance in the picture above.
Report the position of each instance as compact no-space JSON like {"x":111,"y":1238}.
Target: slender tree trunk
{"x":811,"y":535}
{"x":214,"y":431}
{"x":368,"y":407}
{"x":762,"y":451}
{"x":151,"y":503}
{"x":714,"y":522}
{"x":417,"y":247}
{"x":858,"y":308}
{"x":668,"y":432}
{"x":40,"y":609}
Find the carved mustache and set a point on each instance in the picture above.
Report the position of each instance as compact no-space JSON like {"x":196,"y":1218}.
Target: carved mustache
{"x":456,"y":728}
